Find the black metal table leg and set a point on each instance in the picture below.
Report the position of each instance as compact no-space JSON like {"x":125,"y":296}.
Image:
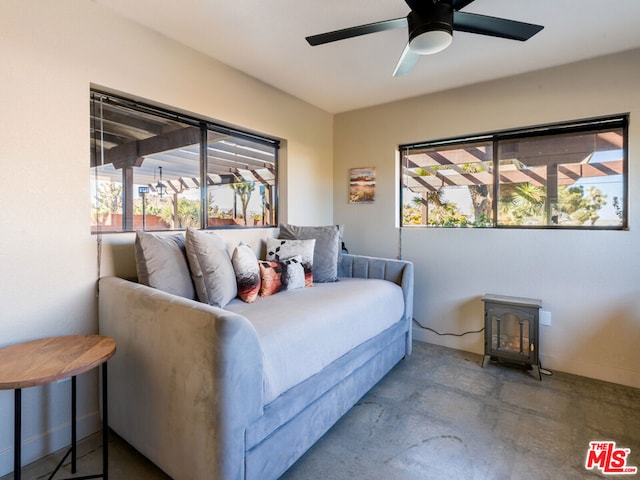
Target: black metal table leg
{"x":74,"y":435}
{"x":105,"y":433}
{"x":17,"y":436}
{"x":105,"y":425}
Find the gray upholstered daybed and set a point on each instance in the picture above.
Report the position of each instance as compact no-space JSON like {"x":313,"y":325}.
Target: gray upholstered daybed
{"x":241,"y":392}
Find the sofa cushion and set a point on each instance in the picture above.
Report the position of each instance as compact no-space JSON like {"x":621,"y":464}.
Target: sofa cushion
{"x":326,"y":251}
{"x":161,"y":263}
{"x":277,"y":276}
{"x":302,"y":331}
{"x":211,"y":267}
{"x":280,"y":249}
{"x":247,"y":270}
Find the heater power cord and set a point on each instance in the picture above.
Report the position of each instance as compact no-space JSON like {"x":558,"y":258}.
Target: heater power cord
{"x":446,"y":334}
{"x":543,"y":371}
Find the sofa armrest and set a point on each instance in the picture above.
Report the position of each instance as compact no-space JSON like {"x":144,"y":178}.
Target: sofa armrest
{"x":399,"y":272}
{"x":186,"y":379}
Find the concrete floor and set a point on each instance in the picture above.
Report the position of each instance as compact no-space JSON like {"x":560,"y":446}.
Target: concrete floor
{"x":439,"y":415}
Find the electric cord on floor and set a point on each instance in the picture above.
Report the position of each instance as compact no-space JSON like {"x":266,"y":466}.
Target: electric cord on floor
{"x":447,"y":334}
{"x":543,"y":371}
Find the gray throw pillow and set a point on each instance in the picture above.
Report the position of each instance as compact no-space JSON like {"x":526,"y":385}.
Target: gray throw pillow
{"x":161,"y":263}
{"x":211,"y":267}
{"x":326,"y":254}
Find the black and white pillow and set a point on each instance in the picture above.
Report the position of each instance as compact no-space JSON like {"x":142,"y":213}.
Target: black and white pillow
{"x":280,"y":250}
{"x":276,"y":276}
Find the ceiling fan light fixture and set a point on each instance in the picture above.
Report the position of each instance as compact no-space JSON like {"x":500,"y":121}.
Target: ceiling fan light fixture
{"x":432,"y":31}
{"x":430,"y":42}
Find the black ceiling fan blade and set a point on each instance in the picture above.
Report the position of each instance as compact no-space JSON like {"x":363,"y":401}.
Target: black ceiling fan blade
{"x":460,"y":4}
{"x":407,"y":62}
{"x":351,"y":32}
{"x":493,"y":26}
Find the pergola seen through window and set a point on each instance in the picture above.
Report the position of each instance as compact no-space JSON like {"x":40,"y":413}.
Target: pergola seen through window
{"x":153,"y":169}
{"x":559,"y":176}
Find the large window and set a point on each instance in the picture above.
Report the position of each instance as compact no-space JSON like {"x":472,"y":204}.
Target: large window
{"x":153,"y":169}
{"x":571,"y":175}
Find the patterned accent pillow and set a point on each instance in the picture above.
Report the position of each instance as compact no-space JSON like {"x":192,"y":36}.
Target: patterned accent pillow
{"x":281,"y":249}
{"x":278,"y":276}
{"x":295,"y":273}
{"x":245,"y":264}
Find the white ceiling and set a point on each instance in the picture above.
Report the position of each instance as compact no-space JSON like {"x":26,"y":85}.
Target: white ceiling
{"x":266,"y":40}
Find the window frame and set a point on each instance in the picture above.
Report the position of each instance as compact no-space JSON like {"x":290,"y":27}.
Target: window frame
{"x":590,"y":125}
{"x":206,"y":127}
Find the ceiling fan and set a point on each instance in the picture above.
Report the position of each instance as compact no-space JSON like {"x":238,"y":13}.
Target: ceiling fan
{"x":430,"y":24}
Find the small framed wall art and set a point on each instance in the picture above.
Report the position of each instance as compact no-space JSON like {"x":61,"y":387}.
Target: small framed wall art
{"x":362,"y":185}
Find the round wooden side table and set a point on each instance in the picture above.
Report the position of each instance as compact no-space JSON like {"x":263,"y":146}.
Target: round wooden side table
{"x":47,"y":360}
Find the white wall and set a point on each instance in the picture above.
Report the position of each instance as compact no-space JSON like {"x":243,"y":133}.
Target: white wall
{"x":52,"y":52}
{"x":588,"y":280}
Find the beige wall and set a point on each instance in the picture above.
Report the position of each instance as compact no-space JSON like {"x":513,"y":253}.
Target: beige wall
{"x":589,"y":280}
{"x":52,"y":52}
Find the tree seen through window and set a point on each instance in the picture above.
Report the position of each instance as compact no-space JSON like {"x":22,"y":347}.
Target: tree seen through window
{"x":561,"y":177}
